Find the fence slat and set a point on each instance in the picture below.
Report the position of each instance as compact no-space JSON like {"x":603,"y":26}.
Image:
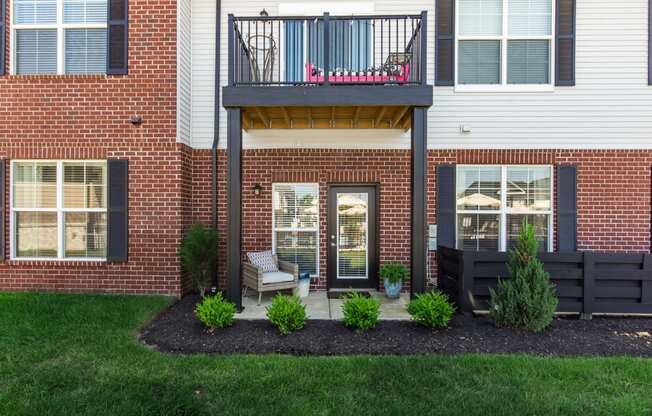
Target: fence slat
{"x":589,"y":285}
{"x":615,"y":293}
{"x":466,"y":278}
{"x":615,"y":274}
{"x":646,"y":285}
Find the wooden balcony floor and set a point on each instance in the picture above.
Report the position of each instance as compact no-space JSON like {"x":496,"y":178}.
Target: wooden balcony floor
{"x":326,"y":117}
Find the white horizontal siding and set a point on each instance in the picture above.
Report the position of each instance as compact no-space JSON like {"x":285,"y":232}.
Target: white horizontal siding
{"x":203,"y":72}
{"x":184,"y":75}
{"x":611,"y":106}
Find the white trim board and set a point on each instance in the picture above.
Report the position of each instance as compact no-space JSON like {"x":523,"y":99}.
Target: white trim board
{"x":335,"y":8}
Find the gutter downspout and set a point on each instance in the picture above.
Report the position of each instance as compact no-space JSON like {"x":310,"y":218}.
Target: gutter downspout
{"x":216,"y":130}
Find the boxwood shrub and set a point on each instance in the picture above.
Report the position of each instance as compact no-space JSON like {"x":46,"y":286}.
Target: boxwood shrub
{"x":431,"y":309}
{"x":360,"y":312}
{"x":215,"y":311}
{"x":287,"y":313}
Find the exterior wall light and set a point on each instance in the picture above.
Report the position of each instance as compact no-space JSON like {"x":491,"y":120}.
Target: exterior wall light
{"x":257,"y":189}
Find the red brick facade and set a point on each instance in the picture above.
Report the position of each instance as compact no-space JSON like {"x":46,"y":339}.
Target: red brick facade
{"x":88,"y":117}
{"x":614,"y":192}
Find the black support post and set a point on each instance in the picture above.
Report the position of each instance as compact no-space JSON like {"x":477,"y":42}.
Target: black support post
{"x":234,"y":207}
{"x":419,"y":170}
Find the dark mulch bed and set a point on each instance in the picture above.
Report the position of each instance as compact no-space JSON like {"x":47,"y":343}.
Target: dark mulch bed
{"x":177,"y":330}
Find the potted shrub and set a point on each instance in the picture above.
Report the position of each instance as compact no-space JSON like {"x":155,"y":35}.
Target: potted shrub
{"x":198,"y":254}
{"x":393,"y":275}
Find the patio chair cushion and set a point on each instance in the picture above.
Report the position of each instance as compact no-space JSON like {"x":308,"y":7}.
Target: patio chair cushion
{"x":277,"y":277}
{"x":264,"y":260}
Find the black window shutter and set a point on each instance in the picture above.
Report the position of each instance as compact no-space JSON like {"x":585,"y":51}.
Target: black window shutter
{"x":2,"y":210}
{"x":117,"y":36}
{"x":446,"y":205}
{"x":567,"y":208}
{"x":118,"y":210}
{"x":3,"y":43}
{"x":445,"y":43}
{"x":565,"y":43}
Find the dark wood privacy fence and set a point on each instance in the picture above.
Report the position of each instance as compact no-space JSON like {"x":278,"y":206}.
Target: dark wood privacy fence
{"x":586,"y":282}
{"x":323,"y":50}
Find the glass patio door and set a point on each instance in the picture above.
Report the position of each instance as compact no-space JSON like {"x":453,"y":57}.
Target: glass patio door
{"x":352,"y":237}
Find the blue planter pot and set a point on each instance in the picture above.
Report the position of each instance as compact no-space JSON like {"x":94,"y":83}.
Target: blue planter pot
{"x":393,"y":290}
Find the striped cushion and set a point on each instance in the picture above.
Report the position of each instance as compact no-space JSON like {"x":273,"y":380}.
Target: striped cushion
{"x":263,"y":260}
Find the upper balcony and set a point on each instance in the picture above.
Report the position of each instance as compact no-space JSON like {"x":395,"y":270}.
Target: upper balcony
{"x":312,"y":61}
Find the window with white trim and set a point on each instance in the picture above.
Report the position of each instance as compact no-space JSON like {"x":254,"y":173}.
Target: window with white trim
{"x":295,"y":218}
{"x":59,"y":36}
{"x":493,"y":201}
{"x":504,"y":43}
{"x":58,"y":209}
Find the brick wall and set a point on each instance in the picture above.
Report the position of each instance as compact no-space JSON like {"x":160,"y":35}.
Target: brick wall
{"x":87,"y":117}
{"x":614,"y":195}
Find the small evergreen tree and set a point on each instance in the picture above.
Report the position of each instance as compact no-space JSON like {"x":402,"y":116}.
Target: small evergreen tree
{"x":526,"y":300}
{"x":198,"y":254}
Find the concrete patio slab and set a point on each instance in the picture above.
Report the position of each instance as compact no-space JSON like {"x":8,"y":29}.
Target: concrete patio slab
{"x":318,"y":306}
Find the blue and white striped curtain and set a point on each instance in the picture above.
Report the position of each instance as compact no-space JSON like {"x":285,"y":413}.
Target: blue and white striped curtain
{"x":361,"y":44}
{"x":350,"y":42}
{"x":294,"y":51}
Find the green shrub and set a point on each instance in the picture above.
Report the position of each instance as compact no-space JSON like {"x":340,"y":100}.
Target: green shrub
{"x":526,"y":300}
{"x":394,"y":272}
{"x":215,"y":311}
{"x":360,"y":312}
{"x":431,"y":309}
{"x":287,"y":313}
{"x":198,"y":254}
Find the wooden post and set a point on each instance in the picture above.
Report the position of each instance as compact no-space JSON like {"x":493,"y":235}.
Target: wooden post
{"x":588,"y":304}
{"x":234,"y":207}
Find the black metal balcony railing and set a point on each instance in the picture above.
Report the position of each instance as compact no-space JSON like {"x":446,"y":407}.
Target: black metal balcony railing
{"x":327,"y":50}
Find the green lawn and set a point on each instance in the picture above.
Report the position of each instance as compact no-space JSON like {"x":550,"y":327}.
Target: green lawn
{"x":77,"y":354}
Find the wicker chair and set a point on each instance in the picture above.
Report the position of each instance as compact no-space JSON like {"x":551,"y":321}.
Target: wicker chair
{"x":253,"y":277}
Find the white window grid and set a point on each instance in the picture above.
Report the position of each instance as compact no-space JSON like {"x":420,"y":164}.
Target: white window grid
{"x":505,"y":210}
{"x":503,"y":86}
{"x":315,"y":187}
{"x":60,"y":210}
{"x":60,"y":27}
{"x":366,"y":239}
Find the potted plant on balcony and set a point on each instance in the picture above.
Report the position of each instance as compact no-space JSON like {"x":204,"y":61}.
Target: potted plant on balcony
{"x":393,"y":275}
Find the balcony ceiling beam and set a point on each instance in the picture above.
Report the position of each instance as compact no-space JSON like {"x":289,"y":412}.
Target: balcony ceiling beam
{"x":262,"y":115}
{"x":399,"y":116}
{"x":246,"y":121}
{"x":286,"y":116}
{"x":356,"y":116}
{"x":379,"y":117}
